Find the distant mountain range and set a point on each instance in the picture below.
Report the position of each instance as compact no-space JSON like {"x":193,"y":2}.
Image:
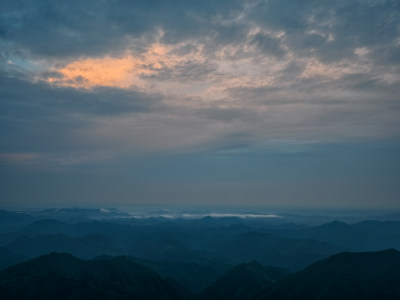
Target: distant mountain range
{"x":227,"y":240}
{"x":196,"y":253}
{"x":178,"y":242}
{"x":87,"y":246}
{"x":364,"y":275}
{"x":363,"y":236}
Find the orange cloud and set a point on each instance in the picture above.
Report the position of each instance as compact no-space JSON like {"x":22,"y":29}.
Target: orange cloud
{"x":90,"y":72}
{"x":121,"y":72}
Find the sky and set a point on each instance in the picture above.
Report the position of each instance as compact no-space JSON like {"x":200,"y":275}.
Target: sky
{"x":259,"y":102}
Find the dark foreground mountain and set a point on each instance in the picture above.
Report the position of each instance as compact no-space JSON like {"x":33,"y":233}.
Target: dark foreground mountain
{"x":62,"y":276}
{"x":193,"y":276}
{"x":368,"y":275}
{"x":244,"y":282}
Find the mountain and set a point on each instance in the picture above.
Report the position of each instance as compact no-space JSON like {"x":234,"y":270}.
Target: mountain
{"x":244,"y":282}
{"x":62,"y":276}
{"x":88,"y":246}
{"x":10,"y":220}
{"x":8,"y":258}
{"x":339,"y":233}
{"x":44,"y":226}
{"x":271,"y":250}
{"x":183,"y":244}
{"x":364,"y":275}
{"x":194,"y":276}
{"x":363,"y":236}
{"x":179,"y":242}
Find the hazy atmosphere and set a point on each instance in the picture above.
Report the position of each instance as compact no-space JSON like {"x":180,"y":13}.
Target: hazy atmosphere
{"x":265,"y":103}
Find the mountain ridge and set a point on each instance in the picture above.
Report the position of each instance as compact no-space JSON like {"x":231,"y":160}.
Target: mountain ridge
{"x":347,"y":275}
{"x":68,"y":277}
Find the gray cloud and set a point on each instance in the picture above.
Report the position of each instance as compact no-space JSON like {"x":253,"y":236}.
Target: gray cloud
{"x":40,"y":97}
{"x":332,"y":29}
{"x":328,"y":30}
{"x":38,"y":116}
{"x":49,"y":28}
{"x":188,"y":71}
{"x":268,"y":44}
{"x":240,"y":91}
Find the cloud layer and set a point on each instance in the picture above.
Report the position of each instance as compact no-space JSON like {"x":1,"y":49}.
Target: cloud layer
{"x":86,"y":84}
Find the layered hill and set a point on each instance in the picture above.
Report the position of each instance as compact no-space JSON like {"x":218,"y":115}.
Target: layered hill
{"x":364,"y":275}
{"x":363,"y":236}
{"x":86,"y":247}
{"x":244,"y":282}
{"x":62,"y":276}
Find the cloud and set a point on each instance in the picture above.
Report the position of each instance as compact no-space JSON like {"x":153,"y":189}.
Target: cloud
{"x":331,"y":31}
{"x":159,"y":63}
{"x":268,"y":44}
{"x":154,"y":76}
{"x":39,"y":118}
{"x":87,"y":73}
{"x":83,"y":28}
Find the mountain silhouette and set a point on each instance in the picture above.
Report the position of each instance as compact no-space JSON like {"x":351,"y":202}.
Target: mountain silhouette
{"x":88,"y":246}
{"x":244,"y":282}
{"x":62,"y":276}
{"x":364,"y":275}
